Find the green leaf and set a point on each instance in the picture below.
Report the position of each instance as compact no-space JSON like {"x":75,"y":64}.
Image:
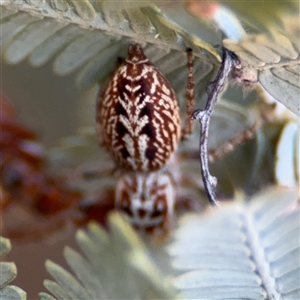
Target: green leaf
{"x":56,"y":289}
{"x":241,"y":250}
{"x":70,"y":285}
{"x":266,"y":15}
{"x":114,"y":266}
{"x":12,"y":292}
{"x":273,"y":61}
{"x":45,"y":296}
{"x":8,"y":272}
{"x":287,"y":167}
{"x":5,"y":246}
{"x":90,"y":36}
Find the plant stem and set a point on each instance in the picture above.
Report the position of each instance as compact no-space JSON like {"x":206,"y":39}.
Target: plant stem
{"x":229,"y":60}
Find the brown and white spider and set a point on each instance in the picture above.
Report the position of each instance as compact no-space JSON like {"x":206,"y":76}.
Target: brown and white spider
{"x":138,"y":122}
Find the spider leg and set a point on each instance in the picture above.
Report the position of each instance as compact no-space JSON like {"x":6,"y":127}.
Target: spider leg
{"x":230,"y":145}
{"x":190,"y":97}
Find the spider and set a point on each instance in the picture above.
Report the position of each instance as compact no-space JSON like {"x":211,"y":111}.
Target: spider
{"x":138,"y":122}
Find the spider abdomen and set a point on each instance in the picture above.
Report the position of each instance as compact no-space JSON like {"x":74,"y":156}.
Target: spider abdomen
{"x":138,"y":115}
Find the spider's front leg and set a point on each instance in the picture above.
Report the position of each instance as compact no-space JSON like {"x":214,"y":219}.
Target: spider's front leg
{"x":190,"y":97}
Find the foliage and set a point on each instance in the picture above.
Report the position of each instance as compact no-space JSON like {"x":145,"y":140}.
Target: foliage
{"x":115,"y":265}
{"x":242,"y":250}
{"x":8,"y":272}
{"x":90,"y":36}
{"x":249,"y":248}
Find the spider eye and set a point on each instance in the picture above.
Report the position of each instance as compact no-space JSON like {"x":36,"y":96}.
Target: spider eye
{"x":160,"y":208}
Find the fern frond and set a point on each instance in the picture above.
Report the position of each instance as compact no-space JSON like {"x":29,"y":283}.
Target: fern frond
{"x":8,"y":272}
{"x":275,"y":61}
{"x":89,"y":36}
{"x":114,"y":266}
{"x":241,"y":250}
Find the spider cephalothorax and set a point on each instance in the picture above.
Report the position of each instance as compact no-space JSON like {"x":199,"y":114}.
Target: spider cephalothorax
{"x":148,"y":200}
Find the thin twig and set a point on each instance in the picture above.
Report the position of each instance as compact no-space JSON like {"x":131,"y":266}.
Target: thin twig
{"x":229,"y":60}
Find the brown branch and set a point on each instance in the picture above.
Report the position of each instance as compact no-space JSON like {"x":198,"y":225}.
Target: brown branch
{"x":229,"y":60}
